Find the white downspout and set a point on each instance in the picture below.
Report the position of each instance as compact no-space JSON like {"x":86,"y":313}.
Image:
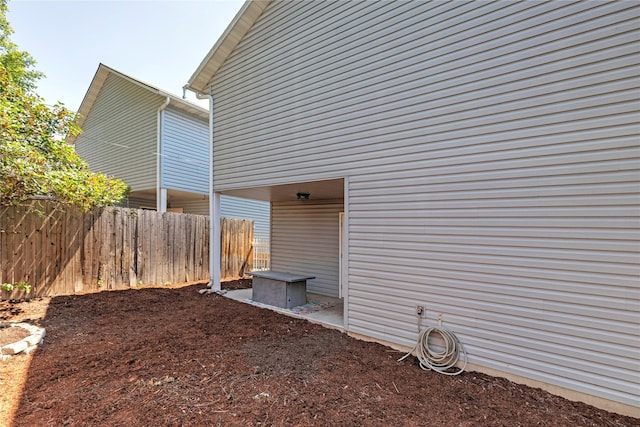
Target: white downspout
{"x":161,"y":193}
{"x":214,"y":212}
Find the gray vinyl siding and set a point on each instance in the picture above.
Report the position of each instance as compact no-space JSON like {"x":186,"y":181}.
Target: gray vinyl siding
{"x":493,"y":163}
{"x":119,"y":133}
{"x":256,"y":210}
{"x":185,"y":152}
{"x":305,"y":240}
{"x":233,"y":207}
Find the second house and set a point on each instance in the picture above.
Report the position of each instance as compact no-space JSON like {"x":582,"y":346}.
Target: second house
{"x":158,"y":144}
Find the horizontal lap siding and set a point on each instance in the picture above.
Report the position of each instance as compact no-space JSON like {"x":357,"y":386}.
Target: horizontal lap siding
{"x":305,"y":240}
{"x":256,"y":210}
{"x":136,"y":202}
{"x":185,"y":152}
{"x":195,"y":207}
{"x":232,"y":207}
{"x":119,"y":133}
{"x":185,"y":165}
{"x":396,"y":105}
{"x":493,"y":162}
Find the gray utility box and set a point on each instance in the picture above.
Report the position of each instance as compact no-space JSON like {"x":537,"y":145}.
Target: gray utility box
{"x":283,"y":290}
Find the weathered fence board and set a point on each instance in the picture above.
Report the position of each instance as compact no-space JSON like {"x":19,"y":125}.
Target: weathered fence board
{"x":236,"y":246}
{"x":59,"y":250}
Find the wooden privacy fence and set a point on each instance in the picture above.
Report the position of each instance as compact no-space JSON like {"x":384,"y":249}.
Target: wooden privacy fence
{"x":236,"y":247}
{"x":59,"y":250}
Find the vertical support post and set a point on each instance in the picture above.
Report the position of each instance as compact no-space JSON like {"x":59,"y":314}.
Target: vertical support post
{"x":161,"y":193}
{"x":214,"y":210}
{"x":344,"y":272}
{"x":214,"y":251}
{"x":340,"y":252}
{"x":162,"y":200}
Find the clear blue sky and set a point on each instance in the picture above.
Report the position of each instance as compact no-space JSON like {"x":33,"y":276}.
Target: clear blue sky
{"x":159,"y":42}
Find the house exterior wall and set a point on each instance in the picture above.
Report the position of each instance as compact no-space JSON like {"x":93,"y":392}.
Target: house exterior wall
{"x":305,"y":240}
{"x":120,"y":139}
{"x":135,"y":202}
{"x":257,"y":210}
{"x":119,"y":133}
{"x":491,"y":150}
{"x":235,"y":207}
{"x":195,"y":207}
{"x":185,"y":152}
{"x":230,"y":207}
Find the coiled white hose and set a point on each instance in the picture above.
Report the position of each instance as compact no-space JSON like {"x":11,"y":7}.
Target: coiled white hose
{"x":439,"y":361}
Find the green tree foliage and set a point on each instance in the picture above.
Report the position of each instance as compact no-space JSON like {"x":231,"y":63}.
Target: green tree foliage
{"x":35,"y":160}
{"x":19,"y":64}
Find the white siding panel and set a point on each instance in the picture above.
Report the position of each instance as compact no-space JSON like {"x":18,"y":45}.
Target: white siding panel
{"x":256,"y":210}
{"x":305,"y":240}
{"x":493,"y":162}
{"x":185,"y":152}
{"x":119,"y":133}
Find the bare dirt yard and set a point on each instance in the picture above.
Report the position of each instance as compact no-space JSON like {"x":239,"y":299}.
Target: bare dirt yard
{"x":174,"y":357}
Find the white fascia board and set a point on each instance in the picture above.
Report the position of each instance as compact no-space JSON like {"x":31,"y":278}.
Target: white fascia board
{"x":101,"y":76}
{"x":248,"y":14}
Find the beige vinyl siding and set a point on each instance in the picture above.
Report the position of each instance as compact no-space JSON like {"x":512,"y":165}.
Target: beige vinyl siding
{"x":119,"y":133}
{"x":305,"y":240}
{"x":493,"y":162}
{"x":185,"y":152}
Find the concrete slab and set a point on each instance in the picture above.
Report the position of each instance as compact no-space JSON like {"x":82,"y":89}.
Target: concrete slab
{"x":321,"y":309}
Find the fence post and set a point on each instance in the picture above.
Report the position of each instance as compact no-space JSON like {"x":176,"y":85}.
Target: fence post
{"x":59,"y":250}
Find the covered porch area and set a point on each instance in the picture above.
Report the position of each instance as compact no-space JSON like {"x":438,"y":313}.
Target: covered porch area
{"x":307,"y":230}
{"x":168,"y":200}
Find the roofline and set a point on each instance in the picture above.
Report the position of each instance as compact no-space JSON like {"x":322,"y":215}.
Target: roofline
{"x":100,"y":77}
{"x":248,"y":14}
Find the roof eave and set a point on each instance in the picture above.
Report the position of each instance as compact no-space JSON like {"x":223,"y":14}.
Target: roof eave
{"x":176,"y":101}
{"x":89,"y":98}
{"x":248,"y":14}
{"x":96,"y":86}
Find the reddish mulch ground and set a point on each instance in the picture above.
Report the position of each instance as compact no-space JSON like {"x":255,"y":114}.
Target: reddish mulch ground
{"x":173,"y":357}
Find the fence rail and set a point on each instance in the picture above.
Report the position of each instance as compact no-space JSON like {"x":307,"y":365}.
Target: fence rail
{"x":59,"y":250}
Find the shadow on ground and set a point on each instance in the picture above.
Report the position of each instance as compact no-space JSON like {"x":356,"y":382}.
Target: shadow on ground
{"x":175,"y":357}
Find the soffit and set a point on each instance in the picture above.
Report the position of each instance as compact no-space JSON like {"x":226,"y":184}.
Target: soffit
{"x":318,"y":190}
